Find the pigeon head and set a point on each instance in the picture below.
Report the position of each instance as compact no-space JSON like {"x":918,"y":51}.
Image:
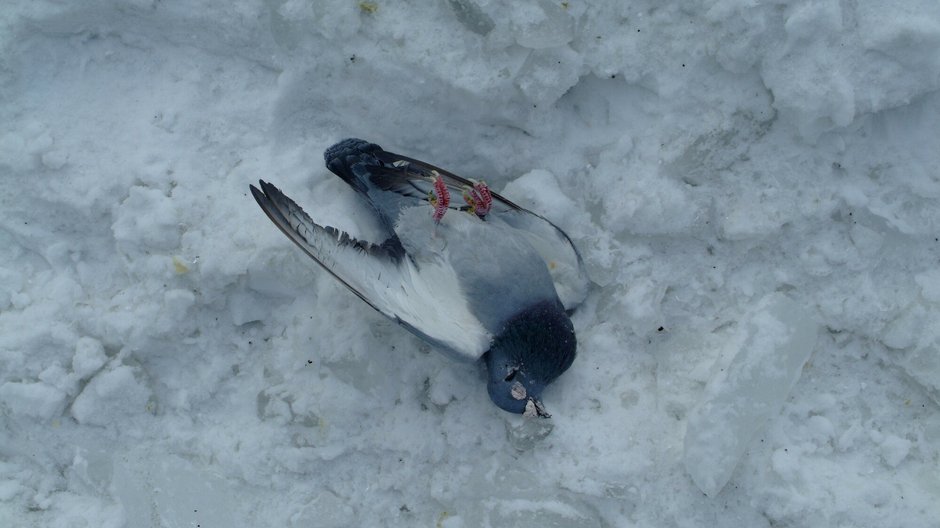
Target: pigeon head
{"x":534,"y":347}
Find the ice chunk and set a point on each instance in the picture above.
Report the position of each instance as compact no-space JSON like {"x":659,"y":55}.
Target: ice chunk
{"x":544,"y":512}
{"x":902,"y":332}
{"x":166,"y":490}
{"x":32,"y":399}
{"x":515,"y":496}
{"x":548,"y":73}
{"x":245,"y":308}
{"x":540,"y":25}
{"x":923,"y":365}
{"x":55,"y":159}
{"x":471,"y":16}
{"x":929,"y":282}
{"x":9,"y":489}
{"x":738,"y":401}
{"x":527,"y":432}
{"x":326,"y":510}
{"x":147,"y":219}
{"x":811,"y":19}
{"x":89,"y":357}
{"x":894,"y":449}
{"x":111,"y":396}
{"x":444,"y":386}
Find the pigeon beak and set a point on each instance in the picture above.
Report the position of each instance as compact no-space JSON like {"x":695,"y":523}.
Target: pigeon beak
{"x":535,"y":408}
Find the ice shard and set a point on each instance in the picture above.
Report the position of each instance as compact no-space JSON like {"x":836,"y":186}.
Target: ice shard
{"x":738,"y":400}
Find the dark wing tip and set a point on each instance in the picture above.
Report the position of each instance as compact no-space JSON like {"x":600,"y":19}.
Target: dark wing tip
{"x":341,"y":157}
{"x":270,"y":191}
{"x":259,"y":196}
{"x":348,"y":147}
{"x":272,"y":195}
{"x":274,"y":204}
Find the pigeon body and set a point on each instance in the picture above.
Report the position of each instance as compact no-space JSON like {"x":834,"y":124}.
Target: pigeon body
{"x":461,"y":267}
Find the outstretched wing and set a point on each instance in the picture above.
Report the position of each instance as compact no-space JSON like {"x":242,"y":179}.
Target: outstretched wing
{"x":415,"y":179}
{"x":429,"y":303}
{"x":562,"y":258}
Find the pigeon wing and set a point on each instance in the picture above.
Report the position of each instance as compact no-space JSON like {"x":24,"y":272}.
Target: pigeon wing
{"x":426,"y":301}
{"x":415,"y":178}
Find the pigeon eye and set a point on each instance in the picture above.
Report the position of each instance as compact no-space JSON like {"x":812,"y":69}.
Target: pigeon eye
{"x":512,"y":374}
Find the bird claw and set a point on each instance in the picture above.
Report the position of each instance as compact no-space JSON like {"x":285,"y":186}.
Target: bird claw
{"x":479,"y":199}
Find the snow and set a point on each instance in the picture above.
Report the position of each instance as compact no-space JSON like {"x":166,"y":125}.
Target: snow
{"x":729,"y":168}
{"x":109,"y":396}
{"x":33,"y":399}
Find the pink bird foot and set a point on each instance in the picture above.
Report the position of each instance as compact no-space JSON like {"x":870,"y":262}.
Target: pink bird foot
{"x":479,"y":199}
{"x":439,"y":198}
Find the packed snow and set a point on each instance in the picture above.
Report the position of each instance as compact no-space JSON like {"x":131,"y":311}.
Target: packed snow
{"x":753,"y":186}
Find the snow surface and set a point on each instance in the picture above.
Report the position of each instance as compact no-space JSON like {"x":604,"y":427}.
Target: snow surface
{"x":167,"y":358}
